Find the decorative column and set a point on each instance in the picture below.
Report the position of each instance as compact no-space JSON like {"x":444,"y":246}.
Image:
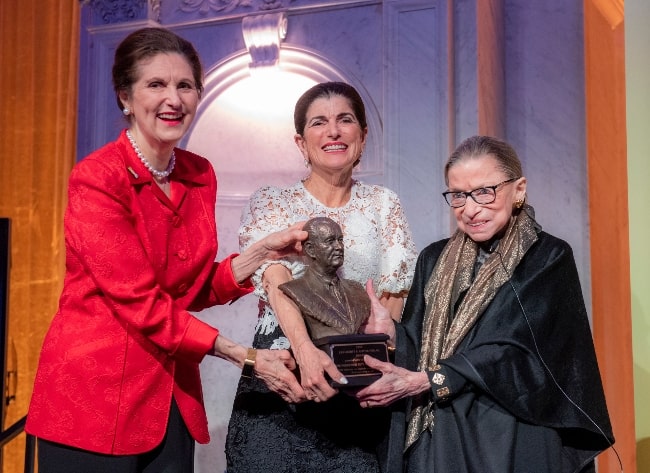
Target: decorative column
{"x":478,"y":68}
{"x":608,"y":211}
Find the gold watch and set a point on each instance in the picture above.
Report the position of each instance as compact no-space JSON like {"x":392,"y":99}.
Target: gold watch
{"x":249,"y":363}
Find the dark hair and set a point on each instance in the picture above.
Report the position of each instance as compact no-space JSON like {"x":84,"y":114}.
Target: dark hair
{"x":328,"y":89}
{"x":477,"y":146}
{"x":145,"y":43}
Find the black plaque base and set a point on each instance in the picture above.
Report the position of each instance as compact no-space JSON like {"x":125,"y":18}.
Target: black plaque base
{"x":347,"y":353}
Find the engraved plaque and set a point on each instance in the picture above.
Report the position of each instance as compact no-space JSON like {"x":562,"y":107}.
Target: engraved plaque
{"x":347,"y":352}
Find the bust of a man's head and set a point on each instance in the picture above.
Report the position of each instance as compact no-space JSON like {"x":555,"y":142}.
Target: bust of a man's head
{"x":329,"y":304}
{"x":324,"y":245}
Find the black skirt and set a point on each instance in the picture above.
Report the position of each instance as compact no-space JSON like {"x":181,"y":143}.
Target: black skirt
{"x":268,"y":434}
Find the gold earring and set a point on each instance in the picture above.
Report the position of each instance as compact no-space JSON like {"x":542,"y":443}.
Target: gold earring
{"x":519,"y":203}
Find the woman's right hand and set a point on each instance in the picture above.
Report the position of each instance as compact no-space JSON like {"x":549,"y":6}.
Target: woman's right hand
{"x":313,"y":364}
{"x":395,"y":383}
{"x":276,"y":369}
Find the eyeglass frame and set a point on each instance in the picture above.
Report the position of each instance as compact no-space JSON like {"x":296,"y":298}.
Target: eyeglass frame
{"x":469,"y":194}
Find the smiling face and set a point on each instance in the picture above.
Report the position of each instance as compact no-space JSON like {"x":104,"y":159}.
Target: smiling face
{"x":481,"y":222}
{"x":333,"y":138}
{"x":162,"y":101}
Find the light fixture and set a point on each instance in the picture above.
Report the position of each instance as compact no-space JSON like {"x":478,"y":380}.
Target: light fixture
{"x":263,"y":35}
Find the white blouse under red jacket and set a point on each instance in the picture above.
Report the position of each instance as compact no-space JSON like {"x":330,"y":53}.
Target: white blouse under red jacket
{"x":122,"y":341}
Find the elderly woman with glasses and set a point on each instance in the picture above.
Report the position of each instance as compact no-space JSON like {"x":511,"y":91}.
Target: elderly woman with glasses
{"x":495,"y":368}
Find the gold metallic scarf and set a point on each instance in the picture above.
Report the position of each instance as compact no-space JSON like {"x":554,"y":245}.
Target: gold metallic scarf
{"x":442,"y":330}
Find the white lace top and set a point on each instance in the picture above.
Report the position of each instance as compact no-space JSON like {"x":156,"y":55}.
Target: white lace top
{"x":378,"y":241}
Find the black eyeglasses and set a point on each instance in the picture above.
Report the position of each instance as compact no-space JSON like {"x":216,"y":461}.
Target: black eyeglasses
{"x":482,"y":195}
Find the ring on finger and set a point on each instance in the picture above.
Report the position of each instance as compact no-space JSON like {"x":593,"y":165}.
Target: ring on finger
{"x":367,"y":403}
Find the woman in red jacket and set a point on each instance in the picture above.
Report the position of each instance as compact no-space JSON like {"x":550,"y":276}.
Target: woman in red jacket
{"x":118,"y":386}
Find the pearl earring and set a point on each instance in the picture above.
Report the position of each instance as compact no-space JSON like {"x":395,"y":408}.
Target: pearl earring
{"x":307,"y":163}
{"x":126,"y":111}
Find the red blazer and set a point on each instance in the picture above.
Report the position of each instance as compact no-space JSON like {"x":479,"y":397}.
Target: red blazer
{"x":122,"y":341}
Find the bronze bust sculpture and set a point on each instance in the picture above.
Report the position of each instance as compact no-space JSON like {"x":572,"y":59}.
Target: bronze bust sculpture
{"x":329,"y":304}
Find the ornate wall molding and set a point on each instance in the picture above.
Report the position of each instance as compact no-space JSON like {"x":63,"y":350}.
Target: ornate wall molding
{"x":122,"y":11}
{"x":204,"y":7}
{"x":183,"y":11}
{"x":176,"y":12}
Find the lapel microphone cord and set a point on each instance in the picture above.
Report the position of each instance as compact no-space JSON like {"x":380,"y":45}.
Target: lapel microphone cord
{"x":548,"y":370}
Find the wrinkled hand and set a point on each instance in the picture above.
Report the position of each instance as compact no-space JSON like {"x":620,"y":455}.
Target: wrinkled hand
{"x":285,"y":242}
{"x":275,"y":368}
{"x":395,"y":383}
{"x":313,"y":363}
{"x":380,"y":320}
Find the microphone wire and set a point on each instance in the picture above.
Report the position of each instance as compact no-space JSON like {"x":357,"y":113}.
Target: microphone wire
{"x":548,"y":370}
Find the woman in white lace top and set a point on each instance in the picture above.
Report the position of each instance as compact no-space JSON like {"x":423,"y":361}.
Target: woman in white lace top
{"x":329,"y":432}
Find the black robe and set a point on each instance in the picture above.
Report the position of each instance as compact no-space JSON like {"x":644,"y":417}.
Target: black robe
{"x":517,"y":402}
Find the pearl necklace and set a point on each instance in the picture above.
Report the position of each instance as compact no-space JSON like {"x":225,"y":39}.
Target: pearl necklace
{"x":157,"y":174}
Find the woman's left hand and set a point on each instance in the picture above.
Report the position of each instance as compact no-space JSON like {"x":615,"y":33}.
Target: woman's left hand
{"x":285,"y":242}
{"x":395,"y":383}
{"x":272,"y":247}
{"x":380,"y":320}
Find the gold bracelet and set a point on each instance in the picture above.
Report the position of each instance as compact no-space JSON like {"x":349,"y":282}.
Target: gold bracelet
{"x":249,"y":363}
